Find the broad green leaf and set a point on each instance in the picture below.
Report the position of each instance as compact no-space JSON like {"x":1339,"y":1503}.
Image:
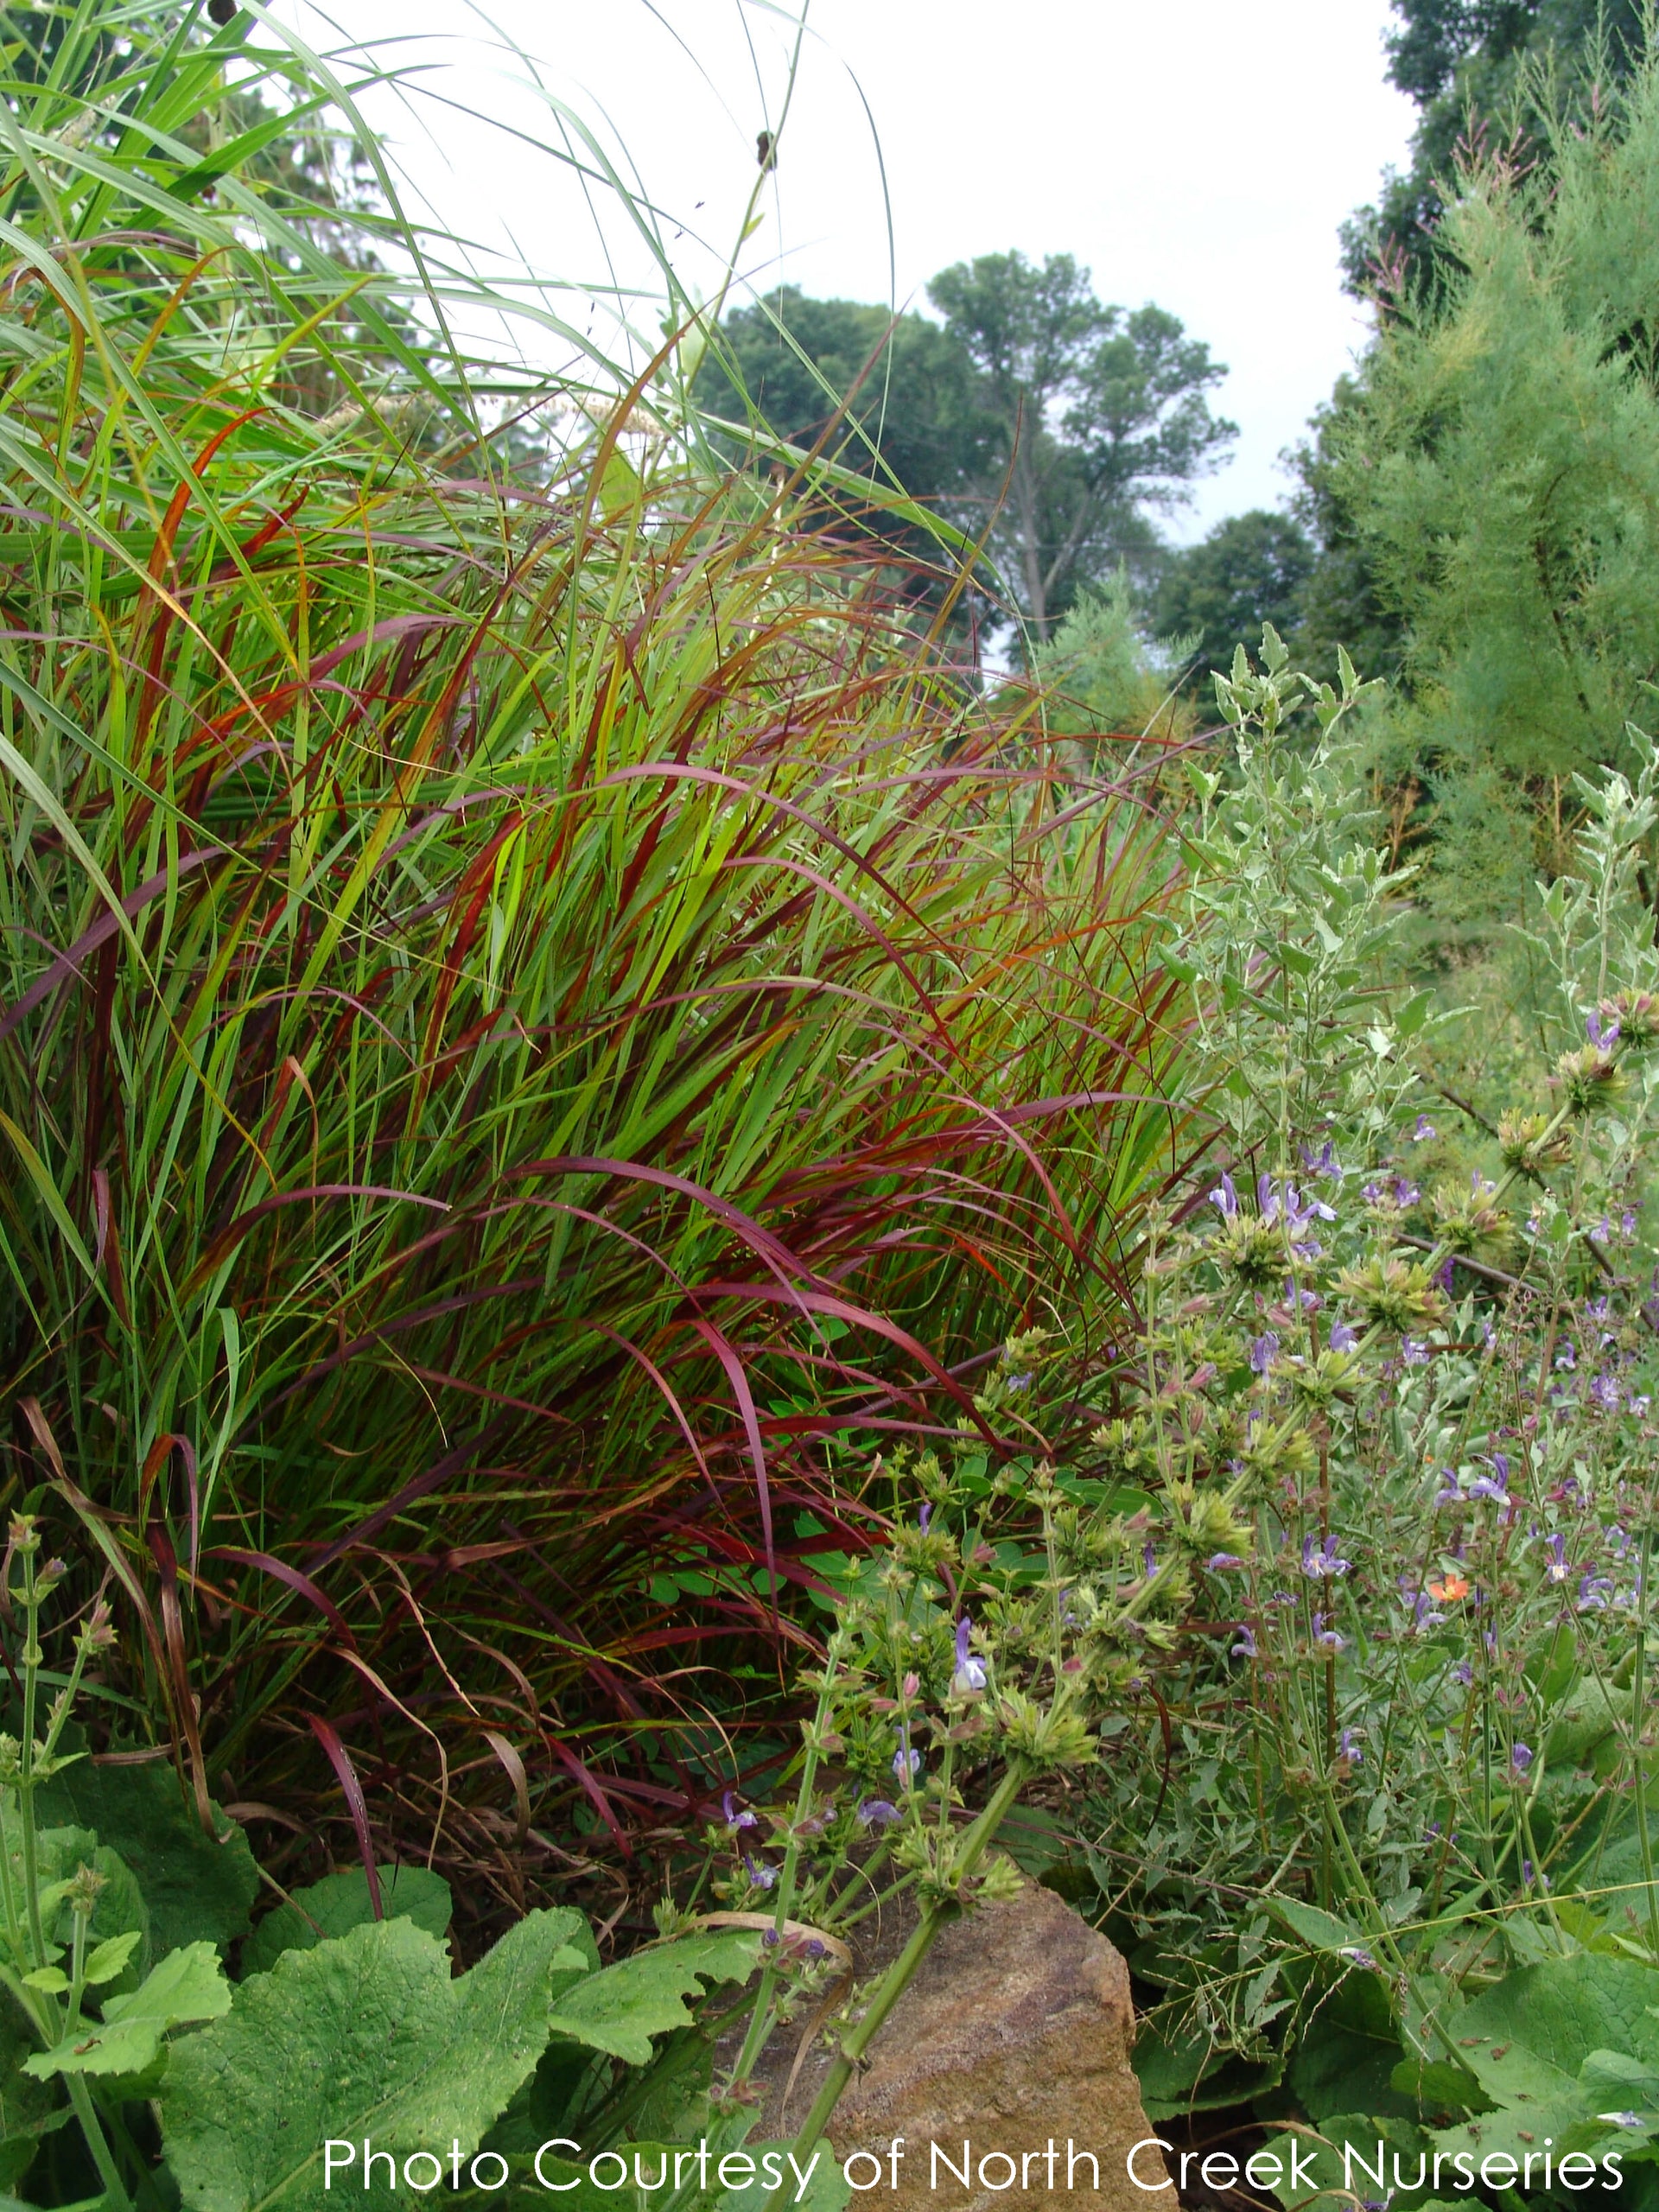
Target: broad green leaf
{"x":820,"y":2188}
{"x":1534,"y":2028}
{"x":1338,"y":2070}
{"x":1329,"y":2173}
{"x":1613,"y":2070}
{"x":366,"y":2037}
{"x":188,"y":1986}
{"x":640,"y":2176}
{"x":329,"y":1907}
{"x":621,"y":2007}
{"x":1529,"y":2042}
{"x":29,"y":2109}
{"x":110,"y":1958}
{"x":1185,"y":2072}
{"x":193,"y":1885}
{"x":59,"y":1852}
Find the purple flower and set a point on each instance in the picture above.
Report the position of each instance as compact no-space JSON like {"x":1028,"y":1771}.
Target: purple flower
{"x":762,"y":1876}
{"x":1423,"y":1614}
{"x":1348,"y":1748}
{"x":1594,"y":1591}
{"x":1224,"y":1197}
{"x":1342,"y":1337}
{"x":1490,"y":1487}
{"x":1372,"y":1192}
{"x":1627,"y":1224}
{"x":1558,"y":1570}
{"x":1501,"y":1464}
{"x":970,"y":1678}
{"x":1603,"y":1393}
{"x":1325,"y":1636}
{"x":1324,"y":1163}
{"x":924,"y":1518}
{"x":1263,"y":1351}
{"x":1444,"y":1273}
{"x":1603,"y":1039}
{"x":1299,"y":1211}
{"x":876,"y":1813}
{"x":1245,"y":1648}
{"x":1414,"y":1352}
{"x":1405,"y":1194}
{"x":1464,"y":1673}
{"x":734,"y":1820}
{"x":1295,"y":1210}
{"x":1567,"y":1359}
{"x":1222,"y":1562}
{"x":906,"y":1764}
{"x":1448,"y":1492}
{"x":1358,"y":1953}
{"x":1319,"y":1562}
{"x":1149,"y":1559}
{"x":1521,"y":1757}
{"x":1602,"y":1233}
{"x":1424,"y":1131}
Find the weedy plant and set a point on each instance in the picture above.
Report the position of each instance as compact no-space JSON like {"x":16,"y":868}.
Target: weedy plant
{"x":1391,"y":1790}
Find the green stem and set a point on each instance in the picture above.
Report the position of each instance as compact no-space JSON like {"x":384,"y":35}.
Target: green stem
{"x":975,"y":1840}
{"x":115,"y":2189}
{"x":761,"y":2019}
{"x":1638,"y":1691}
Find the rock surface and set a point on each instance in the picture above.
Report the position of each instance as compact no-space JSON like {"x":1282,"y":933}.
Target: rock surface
{"x":1015,"y":2033}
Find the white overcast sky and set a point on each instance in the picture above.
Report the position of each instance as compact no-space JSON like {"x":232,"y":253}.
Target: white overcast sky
{"x":1200,"y":153}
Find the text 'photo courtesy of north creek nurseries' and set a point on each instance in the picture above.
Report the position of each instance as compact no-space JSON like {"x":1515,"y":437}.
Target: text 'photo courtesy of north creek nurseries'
{"x":829,"y":1106}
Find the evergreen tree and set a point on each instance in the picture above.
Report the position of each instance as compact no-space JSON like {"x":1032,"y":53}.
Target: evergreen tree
{"x":1496,"y":464}
{"x":1339,"y":603}
{"x":1470,"y":67}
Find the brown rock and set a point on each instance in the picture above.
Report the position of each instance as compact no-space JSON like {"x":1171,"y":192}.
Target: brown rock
{"x":1015,"y":2033}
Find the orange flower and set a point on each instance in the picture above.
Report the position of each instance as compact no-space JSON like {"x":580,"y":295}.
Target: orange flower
{"x":1450,"y":1591}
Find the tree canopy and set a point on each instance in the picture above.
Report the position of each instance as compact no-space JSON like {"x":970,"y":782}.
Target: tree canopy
{"x":1098,"y":414}
{"x":1037,"y":413}
{"x":1250,"y":570}
{"x":892,"y":397}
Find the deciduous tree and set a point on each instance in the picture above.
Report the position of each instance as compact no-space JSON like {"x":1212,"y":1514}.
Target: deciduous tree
{"x":1097,"y":415}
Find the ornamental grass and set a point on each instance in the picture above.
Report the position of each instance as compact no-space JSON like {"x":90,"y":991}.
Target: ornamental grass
{"x":540,"y":1024}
